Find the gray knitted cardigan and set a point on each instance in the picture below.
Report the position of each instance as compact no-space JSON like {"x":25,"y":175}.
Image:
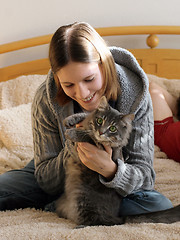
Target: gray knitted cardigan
{"x":136,"y":173}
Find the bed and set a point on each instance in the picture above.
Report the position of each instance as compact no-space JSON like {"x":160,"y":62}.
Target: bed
{"x":18,"y":84}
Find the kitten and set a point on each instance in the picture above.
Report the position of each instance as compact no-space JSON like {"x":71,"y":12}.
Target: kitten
{"x":85,"y":200}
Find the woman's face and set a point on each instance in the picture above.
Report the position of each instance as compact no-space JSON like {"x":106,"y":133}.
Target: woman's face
{"x":82,"y":82}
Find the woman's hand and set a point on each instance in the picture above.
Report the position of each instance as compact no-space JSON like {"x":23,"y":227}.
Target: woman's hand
{"x":97,"y":159}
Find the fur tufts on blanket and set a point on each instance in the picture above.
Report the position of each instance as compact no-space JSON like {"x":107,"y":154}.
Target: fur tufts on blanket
{"x":16,"y":150}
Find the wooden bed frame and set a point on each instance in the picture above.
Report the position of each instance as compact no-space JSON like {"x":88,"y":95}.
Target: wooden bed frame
{"x":160,"y":62}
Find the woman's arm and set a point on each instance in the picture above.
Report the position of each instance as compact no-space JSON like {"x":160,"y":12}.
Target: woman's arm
{"x":48,"y":149}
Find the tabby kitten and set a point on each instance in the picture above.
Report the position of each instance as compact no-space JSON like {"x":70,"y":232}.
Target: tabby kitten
{"x":86,"y":200}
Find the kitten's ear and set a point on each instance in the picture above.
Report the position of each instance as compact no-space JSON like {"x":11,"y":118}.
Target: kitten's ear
{"x":129,"y":117}
{"x":103,"y":103}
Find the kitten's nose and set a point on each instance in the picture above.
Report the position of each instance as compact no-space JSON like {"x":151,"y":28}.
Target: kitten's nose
{"x":101,"y":133}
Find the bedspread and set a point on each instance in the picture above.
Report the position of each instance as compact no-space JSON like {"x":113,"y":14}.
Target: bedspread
{"x":16,"y":149}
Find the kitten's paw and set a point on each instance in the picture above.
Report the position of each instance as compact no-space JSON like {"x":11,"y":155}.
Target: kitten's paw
{"x":72,"y":120}
{"x":69,"y":122}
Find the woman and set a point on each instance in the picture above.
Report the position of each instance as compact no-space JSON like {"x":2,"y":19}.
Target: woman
{"x":83,"y":69}
{"x":166,"y":130}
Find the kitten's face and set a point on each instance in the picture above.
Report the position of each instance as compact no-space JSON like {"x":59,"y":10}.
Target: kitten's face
{"x":110,"y":127}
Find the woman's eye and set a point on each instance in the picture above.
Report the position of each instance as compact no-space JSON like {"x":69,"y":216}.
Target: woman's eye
{"x":112,"y":129}
{"x":89,"y":80}
{"x":99,"y":121}
{"x":69,"y":85}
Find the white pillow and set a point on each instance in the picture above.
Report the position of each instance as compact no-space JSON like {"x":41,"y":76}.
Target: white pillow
{"x":16,"y":131}
{"x":16,"y":142}
{"x":20,"y":90}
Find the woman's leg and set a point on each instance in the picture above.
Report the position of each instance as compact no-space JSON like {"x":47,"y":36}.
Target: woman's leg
{"x":164,"y":104}
{"x":166,"y":131}
{"x":178,"y":106}
{"x":144,"y":202}
{"x":19,"y":189}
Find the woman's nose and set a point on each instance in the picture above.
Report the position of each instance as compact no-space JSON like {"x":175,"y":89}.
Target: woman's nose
{"x":82,"y":91}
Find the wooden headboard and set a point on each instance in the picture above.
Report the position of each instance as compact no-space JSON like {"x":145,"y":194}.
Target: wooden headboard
{"x":160,"y":62}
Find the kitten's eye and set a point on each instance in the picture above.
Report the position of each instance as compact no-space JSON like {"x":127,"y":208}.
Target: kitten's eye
{"x":112,"y":128}
{"x":99,"y":121}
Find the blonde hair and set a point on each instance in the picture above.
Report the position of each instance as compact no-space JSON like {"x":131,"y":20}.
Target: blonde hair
{"x":79,"y":42}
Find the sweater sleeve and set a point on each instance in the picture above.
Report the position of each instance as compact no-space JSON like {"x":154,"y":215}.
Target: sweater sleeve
{"x":48,"y":149}
{"x":136,"y":172}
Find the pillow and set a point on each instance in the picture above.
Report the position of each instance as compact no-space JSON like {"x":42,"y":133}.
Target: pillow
{"x":20,"y":90}
{"x":16,"y":131}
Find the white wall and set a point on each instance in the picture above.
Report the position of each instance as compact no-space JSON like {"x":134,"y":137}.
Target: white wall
{"x":20,"y":19}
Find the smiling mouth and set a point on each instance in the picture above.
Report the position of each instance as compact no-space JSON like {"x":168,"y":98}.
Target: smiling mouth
{"x":88,"y":99}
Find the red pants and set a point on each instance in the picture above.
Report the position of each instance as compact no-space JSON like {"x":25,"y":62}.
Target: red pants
{"x":167,"y":137}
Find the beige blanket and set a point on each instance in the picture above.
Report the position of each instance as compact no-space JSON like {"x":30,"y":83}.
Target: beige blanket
{"x":16,"y":150}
